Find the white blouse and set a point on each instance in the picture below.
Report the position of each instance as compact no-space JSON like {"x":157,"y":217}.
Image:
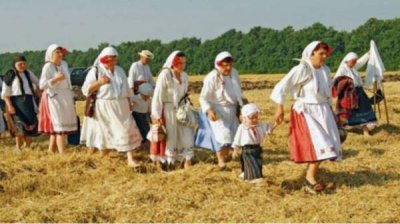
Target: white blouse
{"x":245,"y":135}
{"x":48,"y":75}
{"x":314,"y":88}
{"x":168,"y":90}
{"x":140,"y":105}
{"x":15,"y":88}
{"x":220,"y":90}
{"x":116,"y":89}
{"x":139,"y":72}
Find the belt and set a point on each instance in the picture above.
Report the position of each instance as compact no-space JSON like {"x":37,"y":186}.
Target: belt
{"x":249,"y":147}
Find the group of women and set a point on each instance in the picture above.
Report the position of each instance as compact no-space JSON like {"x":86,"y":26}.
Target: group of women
{"x":47,"y":106}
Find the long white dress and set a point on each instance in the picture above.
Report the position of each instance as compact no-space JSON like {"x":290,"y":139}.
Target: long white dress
{"x":60,"y":98}
{"x":223,"y":95}
{"x":112,"y":126}
{"x":167,"y":94}
{"x":314,"y":134}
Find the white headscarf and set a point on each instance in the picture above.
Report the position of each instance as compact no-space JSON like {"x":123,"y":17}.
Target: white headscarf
{"x":236,"y":85}
{"x":307,"y":52}
{"x":221,"y":56}
{"x":170,"y":59}
{"x":49,"y":52}
{"x":306,"y":57}
{"x":168,"y":64}
{"x":345,"y":70}
{"x":250,"y":109}
{"x":116,"y":81}
{"x":108,"y":51}
{"x":63,"y":66}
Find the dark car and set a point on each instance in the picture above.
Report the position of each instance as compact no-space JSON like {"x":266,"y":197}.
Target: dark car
{"x":78,"y":75}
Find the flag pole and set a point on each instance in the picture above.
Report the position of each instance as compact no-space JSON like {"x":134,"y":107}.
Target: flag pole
{"x":374,"y":92}
{"x":385,"y":104}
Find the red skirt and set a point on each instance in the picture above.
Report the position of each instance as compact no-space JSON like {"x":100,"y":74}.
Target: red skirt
{"x":157,"y":149}
{"x":45,"y":125}
{"x":300,"y":143}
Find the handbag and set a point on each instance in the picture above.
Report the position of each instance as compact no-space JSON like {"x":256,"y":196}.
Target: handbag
{"x":157,"y":133}
{"x":377,"y":98}
{"x":91,"y":100}
{"x":186,"y":114}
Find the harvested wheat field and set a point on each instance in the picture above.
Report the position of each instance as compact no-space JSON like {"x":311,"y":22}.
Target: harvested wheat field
{"x":81,"y":187}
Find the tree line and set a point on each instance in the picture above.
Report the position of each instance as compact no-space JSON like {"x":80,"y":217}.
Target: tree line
{"x":261,"y":50}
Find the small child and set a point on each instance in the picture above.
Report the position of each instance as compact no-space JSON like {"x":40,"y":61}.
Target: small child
{"x":141,"y":108}
{"x":248,"y":138}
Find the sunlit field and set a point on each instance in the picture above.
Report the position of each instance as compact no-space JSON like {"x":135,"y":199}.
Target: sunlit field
{"x":82,"y":187}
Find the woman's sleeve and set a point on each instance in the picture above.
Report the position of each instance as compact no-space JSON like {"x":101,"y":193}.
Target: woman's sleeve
{"x":46,"y":77}
{"x":207,"y":94}
{"x":89,"y":80}
{"x":34,"y":79}
{"x":283,"y":87}
{"x":362,"y":61}
{"x":159,"y":92}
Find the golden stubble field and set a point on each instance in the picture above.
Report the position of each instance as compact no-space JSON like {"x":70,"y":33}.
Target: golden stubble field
{"x":81,"y":187}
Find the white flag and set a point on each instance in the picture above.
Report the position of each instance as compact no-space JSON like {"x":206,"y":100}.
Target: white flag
{"x":375,"y":67}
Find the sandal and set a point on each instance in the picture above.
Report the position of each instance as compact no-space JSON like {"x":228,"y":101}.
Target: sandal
{"x":313,"y":188}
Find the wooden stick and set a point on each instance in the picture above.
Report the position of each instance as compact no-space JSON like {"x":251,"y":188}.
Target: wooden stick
{"x":385,"y":104}
{"x":374,"y":92}
{"x":379,"y":110}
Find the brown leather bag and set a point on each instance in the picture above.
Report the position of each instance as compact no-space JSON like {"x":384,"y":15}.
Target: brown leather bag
{"x":91,"y":100}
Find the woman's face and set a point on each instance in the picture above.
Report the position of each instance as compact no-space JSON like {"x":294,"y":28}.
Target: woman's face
{"x":252,"y":120}
{"x":318,"y":57}
{"x":20,"y":66}
{"x":351,"y":63}
{"x":181,"y":65}
{"x":111,"y":62}
{"x":226,"y":67}
{"x":57,"y":55}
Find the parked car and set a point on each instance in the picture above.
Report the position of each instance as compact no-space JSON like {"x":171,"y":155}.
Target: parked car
{"x":78,"y":75}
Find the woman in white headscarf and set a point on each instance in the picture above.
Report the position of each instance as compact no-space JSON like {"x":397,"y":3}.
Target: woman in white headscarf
{"x":19,"y":88}
{"x":353,"y":107}
{"x":171,"y":87}
{"x":314,"y":135}
{"x":112,"y":126}
{"x":57,"y":109}
{"x":220,"y":99}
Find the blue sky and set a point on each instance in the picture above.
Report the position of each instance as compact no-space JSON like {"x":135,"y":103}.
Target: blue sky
{"x":81,"y":24}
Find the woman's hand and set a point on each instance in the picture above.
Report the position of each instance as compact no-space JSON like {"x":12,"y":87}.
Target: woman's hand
{"x":104,"y":80}
{"x":156,"y":121}
{"x":59,"y":76}
{"x":279,"y":114}
{"x":212,"y":115}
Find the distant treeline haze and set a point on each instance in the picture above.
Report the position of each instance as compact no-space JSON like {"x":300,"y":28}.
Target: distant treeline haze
{"x":261,"y":50}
